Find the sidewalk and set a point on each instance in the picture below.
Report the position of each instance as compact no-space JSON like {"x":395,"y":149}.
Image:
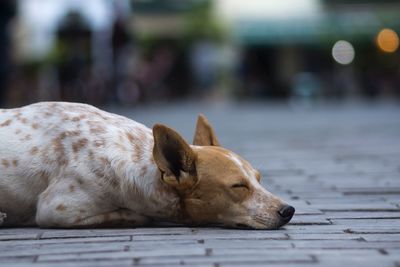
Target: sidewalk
{"x":338,"y":166}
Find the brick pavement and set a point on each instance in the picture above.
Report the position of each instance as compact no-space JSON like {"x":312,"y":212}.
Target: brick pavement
{"x":338,"y":165}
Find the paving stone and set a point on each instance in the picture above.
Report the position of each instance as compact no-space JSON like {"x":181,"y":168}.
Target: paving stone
{"x":165,"y":252}
{"x":232,"y":259}
{"x":272,"y":244}
{"x":363,"y":215}
{"x":22,"y":236}
{"x":310,"y":220}
{"x":29,"y":250}
{"x":356,"y":207}
{"x":378,"y":222}
{"x":85,"y":233}
{"x":104,"y":263}
{"x":346,"y":244}
{"x":67,"y":240}
{"x":382,"y":237}
{"x":331,"y":236}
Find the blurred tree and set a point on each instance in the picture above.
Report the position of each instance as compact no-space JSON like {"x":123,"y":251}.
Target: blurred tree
{"x":201,"y":24}
{"x":72,"y":55}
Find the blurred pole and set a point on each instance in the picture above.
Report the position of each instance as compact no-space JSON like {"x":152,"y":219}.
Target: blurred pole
{"x":7,"y":12}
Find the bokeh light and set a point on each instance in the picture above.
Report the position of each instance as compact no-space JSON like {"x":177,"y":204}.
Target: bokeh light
{"x":343,"y":52}
{"x":387,"y":40}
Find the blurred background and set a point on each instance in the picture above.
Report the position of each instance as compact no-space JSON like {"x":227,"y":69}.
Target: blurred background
{"x":137,"y":52}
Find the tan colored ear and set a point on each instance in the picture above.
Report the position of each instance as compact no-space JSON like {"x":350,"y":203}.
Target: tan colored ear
{"x":204,"y":135}
{"x":174,"y":157}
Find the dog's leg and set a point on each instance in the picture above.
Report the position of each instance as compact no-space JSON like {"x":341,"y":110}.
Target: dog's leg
{"x":118,"y":218}
{"x":3,"y":216}
{"x":61,"y":207}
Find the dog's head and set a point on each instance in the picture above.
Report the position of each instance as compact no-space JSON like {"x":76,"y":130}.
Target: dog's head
{"x":215,"y":185}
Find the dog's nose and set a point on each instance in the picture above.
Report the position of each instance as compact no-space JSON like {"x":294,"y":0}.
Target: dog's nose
{"x":286,"y":212}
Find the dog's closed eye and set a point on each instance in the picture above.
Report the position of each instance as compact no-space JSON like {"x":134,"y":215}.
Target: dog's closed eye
{"x":240,"y":190}
{"x":240,"y":185}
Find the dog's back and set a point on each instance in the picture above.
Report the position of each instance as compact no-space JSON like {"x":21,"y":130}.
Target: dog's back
{"x":43,"y":141}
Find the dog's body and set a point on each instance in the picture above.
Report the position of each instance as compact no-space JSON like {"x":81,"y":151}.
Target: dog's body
{"x":73,"y":165}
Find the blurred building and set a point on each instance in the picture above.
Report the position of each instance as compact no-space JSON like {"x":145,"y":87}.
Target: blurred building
{"x":286,"y":40}
{"x":140,"y":51}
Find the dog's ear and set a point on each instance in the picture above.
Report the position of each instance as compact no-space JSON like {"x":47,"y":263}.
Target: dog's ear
{"x":204,"y":134}
{"x":174,"y":157}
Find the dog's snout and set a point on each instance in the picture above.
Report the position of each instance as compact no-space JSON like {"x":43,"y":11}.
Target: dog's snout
{"x":286,"y":212}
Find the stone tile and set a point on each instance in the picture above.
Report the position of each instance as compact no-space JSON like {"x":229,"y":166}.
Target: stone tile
{"x":331,"y":236}
{"x":29,"y":250}
{"x":389,"y":237}
{"x":363,"y":215}
{"x":21,"y":236}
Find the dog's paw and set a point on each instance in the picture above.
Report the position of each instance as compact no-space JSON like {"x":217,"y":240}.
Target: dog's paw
{"x":3,"y":216}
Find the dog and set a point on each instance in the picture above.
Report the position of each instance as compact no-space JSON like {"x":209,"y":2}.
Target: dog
{"x":70,"y":165}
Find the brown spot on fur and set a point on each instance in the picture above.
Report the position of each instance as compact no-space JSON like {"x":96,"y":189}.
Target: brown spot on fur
{"x":78,"y":145}
{"x":80,"y":181}
{"x":91,"y":155}
{"x":71,"y":188}
{"x":69,"y":134}
{"x":96,"y":128}
{"x":58,"y":146}
{"x":47,"y":114}
{"x":26,"y":138}
{"x":99,"y":143}
{"x":6,"y":123}
{"x":5,"y":163}
{"x":34,"y":150}
{"x":99,"y":172}
{"x":141,"y":136}
{"x":24,"y":120}
{"x":143,"y":171}
{"x":105,"y":173}
{"x":61,"y":207}
{"x":18,"y":131}
{"x":137,"y":152}
{"x":131,"y":138}
{"x":75,"y":119}
{"x":114,"y":181}
{"x":121,"y":166}
{"x":35,"y":125}
{"x":121,"y":146}
{"x":104,"y":161}
{"x":15,"y":162}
